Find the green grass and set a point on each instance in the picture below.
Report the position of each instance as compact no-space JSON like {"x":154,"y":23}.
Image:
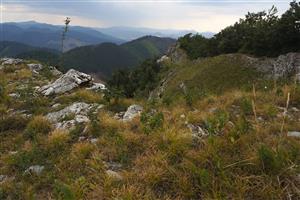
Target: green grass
{"x":211,"y":76}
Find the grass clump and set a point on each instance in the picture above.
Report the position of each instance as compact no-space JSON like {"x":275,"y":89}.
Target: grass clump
{"x":37,"y":126}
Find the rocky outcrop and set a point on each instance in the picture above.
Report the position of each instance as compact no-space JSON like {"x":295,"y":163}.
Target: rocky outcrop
{"x":35,"y":67}
{"x":72,"y":79}
{"x":158,"y":92}
{"x":97,"y":87}
{"x":132,"y":112}
{"x":75,"y":114}
{"x":176,"y":54}
{"x":11,"y":61}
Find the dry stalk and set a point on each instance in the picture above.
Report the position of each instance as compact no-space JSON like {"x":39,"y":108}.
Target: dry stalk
{"x":253,"y":103}
{"x":285,"y":112}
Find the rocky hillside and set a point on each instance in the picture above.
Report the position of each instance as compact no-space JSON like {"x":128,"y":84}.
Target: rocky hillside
{"x":215,"y":75}
{"x":63,"y":136}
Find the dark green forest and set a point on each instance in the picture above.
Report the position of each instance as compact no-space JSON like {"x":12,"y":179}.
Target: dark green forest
{"x":260,"y":34}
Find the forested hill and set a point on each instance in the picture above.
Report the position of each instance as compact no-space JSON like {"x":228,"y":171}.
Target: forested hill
{"x":260,"y":34}
{"x":106,"y":58}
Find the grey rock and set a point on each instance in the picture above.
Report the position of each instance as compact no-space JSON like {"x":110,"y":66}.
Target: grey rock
{"x":35,"y":169}
{"x":158,"y":92}
{"x":81,"y":119}
{"x":119,"y":115}
{"x":183,"y":87}
{"x":97,"y":87}
{"x":78,"y":108}
{"x":35,"y":67}
{"x":132,"y":112}
{"x":81,"y":139}
{"x":94,"y":140}
{"x":197,"y":131}
{"x":293,"y":134}
{"x":72,"y":79}
{"x":114,"y":166}
{"x":114,"y":175}
{"x":66,"y":125}
{"x":11,"y":61}
{"x":3,"y":178}
{"x":55,"y":72}
{"x":163,"y":59}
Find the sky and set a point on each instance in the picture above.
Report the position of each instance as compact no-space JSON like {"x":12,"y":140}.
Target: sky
{"x":198,"y":15}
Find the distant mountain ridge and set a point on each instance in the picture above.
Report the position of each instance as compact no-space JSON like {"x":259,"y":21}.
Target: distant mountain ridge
{"x":49,"y":36}
{"x":131,"y":33}
{"x":105,"y":58}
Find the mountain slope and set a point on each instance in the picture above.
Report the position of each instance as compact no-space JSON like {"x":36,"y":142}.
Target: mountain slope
{"x":148,"y":46}
{"x":14,"y":49}
{"x":105,"y":58}
{"x":49,"y":36}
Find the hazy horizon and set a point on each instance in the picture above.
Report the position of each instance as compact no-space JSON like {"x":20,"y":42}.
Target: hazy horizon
{"x":192,"y":15}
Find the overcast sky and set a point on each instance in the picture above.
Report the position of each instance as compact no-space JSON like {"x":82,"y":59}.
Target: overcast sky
{"x":199,"y":15}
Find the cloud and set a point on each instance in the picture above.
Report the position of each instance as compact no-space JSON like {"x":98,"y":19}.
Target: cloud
{"x":200,"y":15}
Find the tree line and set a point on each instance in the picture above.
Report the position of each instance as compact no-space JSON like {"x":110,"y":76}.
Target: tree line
{"x":260,"y":34}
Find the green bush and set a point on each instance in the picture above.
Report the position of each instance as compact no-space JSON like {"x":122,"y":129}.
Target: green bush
{"x":152,"y":121}
{"x":217,"y":122}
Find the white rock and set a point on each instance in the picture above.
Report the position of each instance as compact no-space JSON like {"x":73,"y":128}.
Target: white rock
{"x":293,"y":134}
{"x":66,"y":125}
{"x":72,"y":79}
{"x":81,"y":138}
{"x":196,"y":130}
{"x":132,"y":112}
{"x":11,"y":61}
{"x":14,"y":95}
{"x":35,"y":67}
{"x":114,"y":175}
{"x":97,"y":87}
{"x":35,"y":169}
{"x":94,"y":140}
{"x":163,"y":59}
{"x":81,"y":119}
{"x":78,"y":108}
{"x":56,"y":105}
